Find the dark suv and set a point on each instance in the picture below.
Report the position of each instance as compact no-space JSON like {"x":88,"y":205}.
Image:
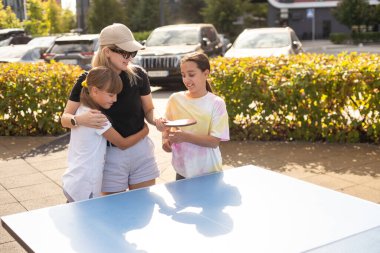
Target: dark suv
{"x":166,"y":46}
{"x":74,"y":49}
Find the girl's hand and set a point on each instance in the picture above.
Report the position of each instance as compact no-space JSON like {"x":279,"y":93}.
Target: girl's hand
{"x":160,"y":124}
{"x":177,"y":136}
{"x":92,"y":118}
{"x":166,"y":145}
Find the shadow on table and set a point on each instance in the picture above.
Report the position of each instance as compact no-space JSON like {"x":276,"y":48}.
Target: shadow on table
{"x":212,"y":219}
{"x":102,"y":225}
{"x":358,"y":159}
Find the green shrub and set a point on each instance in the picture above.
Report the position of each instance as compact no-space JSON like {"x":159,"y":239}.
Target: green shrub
{"x":366,"y":37}
{"x":308,"y":97}
{"x":33,"y":96}
{"x":363,"y":37}
{"x":339,"y":38}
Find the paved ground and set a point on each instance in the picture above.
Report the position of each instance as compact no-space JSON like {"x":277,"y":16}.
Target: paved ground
{"x":31,"y":167}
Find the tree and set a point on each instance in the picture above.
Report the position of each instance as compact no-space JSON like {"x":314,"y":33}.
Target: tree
{"x":8,"y":18}
{"x":256,"y":15}
{"x":54,"y":17}
{"x":36,"y":22}
{"x":223,"y":14}
{"x":352,"y":13}
{"x":103,"y":13}
{"x":190,"y":11}
{"x":143,"y":15}
{"x":68,"y":20}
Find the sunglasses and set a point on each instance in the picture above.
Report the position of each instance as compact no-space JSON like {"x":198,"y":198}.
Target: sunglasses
{"x":124,"y":54}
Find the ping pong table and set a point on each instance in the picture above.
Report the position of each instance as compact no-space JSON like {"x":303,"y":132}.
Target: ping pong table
{"x":245,"y":209}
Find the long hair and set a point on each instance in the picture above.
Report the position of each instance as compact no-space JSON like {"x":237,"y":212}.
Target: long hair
{"x":102,"y":78}
{"x":202,"y":62}
{"x":100,"y":59}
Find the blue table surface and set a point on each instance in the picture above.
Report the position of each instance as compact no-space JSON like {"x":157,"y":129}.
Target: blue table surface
{"x":246,"y":209}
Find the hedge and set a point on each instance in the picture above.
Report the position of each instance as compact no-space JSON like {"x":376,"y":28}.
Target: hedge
{"x":33,"y":96}
{"x":311,"y":97}
{"x":365,"y":37}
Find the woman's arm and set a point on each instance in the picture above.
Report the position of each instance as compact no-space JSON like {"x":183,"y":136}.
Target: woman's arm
{"x":147,"y":103}
{"x":123,"y":143}
{"x":200,"y":140}
{"x":92,"y":118}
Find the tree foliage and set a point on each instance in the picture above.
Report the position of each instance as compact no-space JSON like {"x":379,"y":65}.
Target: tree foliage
{"x":42,"y":18}
{"x":144,"y":15}
{"x":353,"y":12}
{"x":103,"y":13}
{"x":190,"y":11}
{"x":54,"y":17}
{"x":68,"y":20}
{"x":8,"y":18}
{"x":224,"y":13}
{"x":36,"y":22}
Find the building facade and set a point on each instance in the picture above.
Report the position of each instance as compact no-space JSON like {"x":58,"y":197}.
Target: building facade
{"x":310,"y":19}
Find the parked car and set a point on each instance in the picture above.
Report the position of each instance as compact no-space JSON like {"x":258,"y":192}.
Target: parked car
{"x":13,"y":36}
{"x":74,"y":49}
{"x":44,"y":42}
{"x":166,"y":46}
{"x":225,"y":42}
{"x":20,"y":53}
{"x":265,"y":42}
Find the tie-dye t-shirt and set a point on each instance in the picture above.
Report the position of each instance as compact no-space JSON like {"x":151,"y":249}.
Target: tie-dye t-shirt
{"x":188,"y":159}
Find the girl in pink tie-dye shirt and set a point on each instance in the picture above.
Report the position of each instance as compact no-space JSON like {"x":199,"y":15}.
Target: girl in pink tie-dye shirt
{"x":195,"y":148}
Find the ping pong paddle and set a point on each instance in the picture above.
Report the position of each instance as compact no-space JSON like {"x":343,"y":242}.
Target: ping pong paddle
{"x":180,"y":122}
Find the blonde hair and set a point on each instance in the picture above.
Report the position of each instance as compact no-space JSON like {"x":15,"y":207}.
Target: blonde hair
{"x":102,"y":78}
{"x":202,"y":62}
{"x":100,"y":59}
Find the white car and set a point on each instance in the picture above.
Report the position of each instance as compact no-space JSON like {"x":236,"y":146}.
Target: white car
{"x":265,"y":42}
{"x":20,"y":53}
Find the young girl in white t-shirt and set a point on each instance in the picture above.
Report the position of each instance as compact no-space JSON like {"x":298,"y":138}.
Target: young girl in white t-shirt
{"x":195,"y":149}
{"x":87,"y":148}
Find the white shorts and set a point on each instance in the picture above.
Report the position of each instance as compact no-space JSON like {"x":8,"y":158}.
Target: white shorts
{"x":130,"y":166}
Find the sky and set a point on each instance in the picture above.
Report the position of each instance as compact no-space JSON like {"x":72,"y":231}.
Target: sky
{"x":70,"y":4}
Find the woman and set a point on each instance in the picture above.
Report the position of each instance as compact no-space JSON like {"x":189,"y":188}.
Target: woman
{"x":134,"y":167}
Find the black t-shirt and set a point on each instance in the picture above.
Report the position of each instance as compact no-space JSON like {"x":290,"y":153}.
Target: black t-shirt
{"x":126,"y":114}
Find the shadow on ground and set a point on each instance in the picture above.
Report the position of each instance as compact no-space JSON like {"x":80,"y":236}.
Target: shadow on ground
{"x":56,"y":145}
{"x":316,"y":158}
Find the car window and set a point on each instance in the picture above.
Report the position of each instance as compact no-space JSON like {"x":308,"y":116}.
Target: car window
{"x":63,"y":47}
{"x":5,"y":42}
{"x":209,"y":33}
{"x":173,"y":37}
{"x":35,"y":54}
{"x":262,"y":40}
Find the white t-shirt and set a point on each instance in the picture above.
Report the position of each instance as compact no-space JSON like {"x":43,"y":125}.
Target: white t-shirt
{"x":188,"y":159}
{"x":86,"y":157}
